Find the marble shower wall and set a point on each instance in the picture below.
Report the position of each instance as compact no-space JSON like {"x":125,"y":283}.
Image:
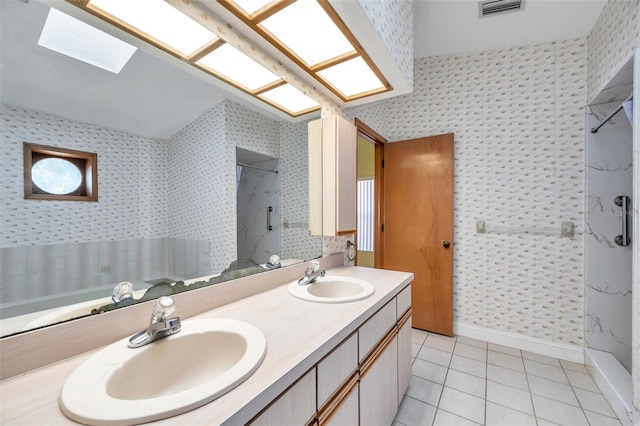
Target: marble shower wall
{"x":608,"y":307}
{"x":258,"y":190}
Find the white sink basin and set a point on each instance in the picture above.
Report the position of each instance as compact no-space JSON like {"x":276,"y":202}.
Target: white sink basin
{"x":332,"y":289}
{"x":122,"y":386}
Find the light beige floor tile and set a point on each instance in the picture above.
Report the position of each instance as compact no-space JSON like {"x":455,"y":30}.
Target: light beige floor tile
{"x":472,"y":342}
{"x":445,"y":418}
{"x":534,"y":368}
{"x":462,"y":404}
{"x":415,"y":348}
{"x":595,"y":402}
{"x":507,"y":377}
{"x":553,"y":390}
{"x":506,"y":361}
{"x":558,"y":412}
{"x":469,"y":351}
{"x":600,"y":420}
{"x":418,"y":336}
{"x":428,"y":370}
{"x":438,"y":342}
{"x":505,"y":350}
{"x":498,"y":415}
{"x":542,"y":422}
{"x":469,"y":366}
{"x":582,"y":381}
{"x":543,"y":359}
{"x":508,"y":396}
{"x":415,"y":413}
{"x":424,"y":390}
{"x":397,"y":423}
{"x":467,"y":383}
{"x":435,"y":356}
{"x":574,"y":366}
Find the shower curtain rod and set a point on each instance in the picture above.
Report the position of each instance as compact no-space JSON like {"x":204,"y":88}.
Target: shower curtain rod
{"x":608,"y":117}
{"x":257,"y":168}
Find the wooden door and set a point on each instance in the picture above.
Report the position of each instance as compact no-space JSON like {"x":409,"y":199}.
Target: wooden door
{"x":418,"y":225}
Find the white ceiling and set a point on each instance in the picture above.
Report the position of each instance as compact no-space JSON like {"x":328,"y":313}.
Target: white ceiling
{"x":452,"y":26}
{"x":153,"y":98}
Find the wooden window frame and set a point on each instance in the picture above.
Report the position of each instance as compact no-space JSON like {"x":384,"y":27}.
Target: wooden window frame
{"x":87,"y":162}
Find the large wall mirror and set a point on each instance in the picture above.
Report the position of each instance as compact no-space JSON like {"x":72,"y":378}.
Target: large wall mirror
{"x":182,"y":166}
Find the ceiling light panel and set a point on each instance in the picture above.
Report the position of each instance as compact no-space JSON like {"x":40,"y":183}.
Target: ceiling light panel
{"x":160,"y":21}
{"x":233,"y":65}
{"x":353,"y":77}
{"x":290,"y":98}
{"x":72,"y":37}
{"x":308,"y":32}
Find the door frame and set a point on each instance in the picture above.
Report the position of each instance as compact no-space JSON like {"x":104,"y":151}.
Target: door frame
{"x":378,"y":216}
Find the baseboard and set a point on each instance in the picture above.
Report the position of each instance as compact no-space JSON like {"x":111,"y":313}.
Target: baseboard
{"x":614,"y":382}
{"x":518,"y":341}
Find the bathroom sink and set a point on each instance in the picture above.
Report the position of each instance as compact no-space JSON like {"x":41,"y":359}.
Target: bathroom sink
{"x":332,"y":289}
{"x":120,"y":386}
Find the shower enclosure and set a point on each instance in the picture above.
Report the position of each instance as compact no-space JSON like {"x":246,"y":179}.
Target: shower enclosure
{"x":609,"y":243}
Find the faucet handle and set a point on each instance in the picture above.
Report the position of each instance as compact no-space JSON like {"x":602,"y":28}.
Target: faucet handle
{"x":313,"y":266}
{"x":123,"y":290}
{"x":164,"y":307}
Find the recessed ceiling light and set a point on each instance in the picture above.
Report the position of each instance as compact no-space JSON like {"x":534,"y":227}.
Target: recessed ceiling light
{"x":232,"y":64}
{"x":306,"y":29}
{"x":72,"y":37}
{"x":158,"y":20}
{"x":290,"y":98}
{"x":352,"y":77}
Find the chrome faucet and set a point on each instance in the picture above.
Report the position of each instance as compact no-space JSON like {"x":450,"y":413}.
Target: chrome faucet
{"x":312,"y":274}
{"x":160,"y":326}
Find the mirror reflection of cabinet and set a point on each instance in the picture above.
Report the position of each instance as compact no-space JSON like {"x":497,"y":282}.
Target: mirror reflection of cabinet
{"x":332,"y":176}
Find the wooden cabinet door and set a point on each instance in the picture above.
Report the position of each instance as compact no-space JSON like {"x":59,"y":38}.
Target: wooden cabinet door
{"x":418,"y":225}
{"x":297,"y":406}
{"x":379,"y":388}
{"x":404,"y":358}
{"x":347,"y":413}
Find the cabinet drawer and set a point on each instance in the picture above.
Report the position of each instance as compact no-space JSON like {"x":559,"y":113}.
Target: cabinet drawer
{"x":375,"y":328}
{"x":297,"y":406}
{"x":403,"y":301}
{"x":336,"y":368}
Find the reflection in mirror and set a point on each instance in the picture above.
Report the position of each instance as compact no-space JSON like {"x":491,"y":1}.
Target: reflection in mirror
{"x":167,"y":209}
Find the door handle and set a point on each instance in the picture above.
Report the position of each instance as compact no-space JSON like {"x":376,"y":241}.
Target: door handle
{"x":446,"y":244}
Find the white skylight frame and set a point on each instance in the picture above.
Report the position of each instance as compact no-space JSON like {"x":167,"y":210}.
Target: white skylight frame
{"x":71,"y":37}
{"x":159,"y":21}
{"x":233,"y":65}
{"x":291,"y":99}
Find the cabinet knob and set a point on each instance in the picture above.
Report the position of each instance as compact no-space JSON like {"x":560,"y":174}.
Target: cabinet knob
{"x":446,"y":244}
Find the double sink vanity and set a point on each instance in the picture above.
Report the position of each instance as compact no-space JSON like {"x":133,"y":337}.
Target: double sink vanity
{"x":335,"y":351}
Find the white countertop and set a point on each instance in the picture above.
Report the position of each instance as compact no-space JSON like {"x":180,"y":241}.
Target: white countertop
{"x":298,"y":334}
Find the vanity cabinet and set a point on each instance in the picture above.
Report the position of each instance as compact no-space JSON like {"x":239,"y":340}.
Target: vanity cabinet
{"x":332,"y":176}
{"x":379,"y":386}
{"x":296,"y":406}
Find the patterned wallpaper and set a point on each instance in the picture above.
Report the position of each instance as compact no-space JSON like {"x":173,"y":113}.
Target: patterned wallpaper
{"x":518,"y":119}
{"x":132,"y":184}
{"x":393,"y":21}
{"x":611,"y":42}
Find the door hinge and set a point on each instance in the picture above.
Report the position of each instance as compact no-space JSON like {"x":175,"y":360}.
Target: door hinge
{"x":383,"y":164}
{"x":382,"y":227}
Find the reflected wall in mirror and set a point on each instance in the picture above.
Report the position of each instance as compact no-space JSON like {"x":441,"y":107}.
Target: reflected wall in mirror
{"x":166,"y":144}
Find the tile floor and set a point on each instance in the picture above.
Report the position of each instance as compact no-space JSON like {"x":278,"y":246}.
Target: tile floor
{"x":459,"y":381}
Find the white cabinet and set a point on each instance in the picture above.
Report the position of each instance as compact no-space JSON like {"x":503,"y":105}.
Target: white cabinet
{"x":336,"y":368}
{"x":347,"y":413}
{"x":376,"y":327}
{"x":297,"y":406}
{"x":332,"y":176}
{"x":404,"y":358}
{"x":379,"y":388}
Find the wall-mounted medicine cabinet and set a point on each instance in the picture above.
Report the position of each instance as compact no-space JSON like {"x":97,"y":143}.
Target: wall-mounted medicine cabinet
{"x":332,"y":176}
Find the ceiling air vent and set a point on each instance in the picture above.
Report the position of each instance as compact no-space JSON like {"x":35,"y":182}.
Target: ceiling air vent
{"x":495,"y":7}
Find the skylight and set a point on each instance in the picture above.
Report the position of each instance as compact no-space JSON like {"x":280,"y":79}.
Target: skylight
{"x":159,"y":21}
{"x":232,"y":64}
{"x":290,"y":98}
{"x":352,"y":78}
{"x":306,"y":29}
{"x":72,"y":37}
